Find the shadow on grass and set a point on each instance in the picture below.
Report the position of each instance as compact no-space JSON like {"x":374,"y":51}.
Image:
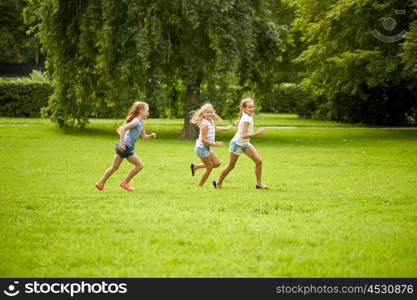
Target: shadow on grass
{"x":170,"y":130}
{"x":328,"y":138}
{"x":162,"y":133}
{"x":338,"y":138}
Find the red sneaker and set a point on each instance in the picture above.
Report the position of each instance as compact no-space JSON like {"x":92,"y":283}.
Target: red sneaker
{"x":99,"y":186}
{"x":127,"y":186}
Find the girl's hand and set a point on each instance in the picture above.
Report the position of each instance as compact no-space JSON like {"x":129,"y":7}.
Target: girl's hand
{"x":122,"y":147}
{"x":228,"y":127}
{"x":218,"y":144}
{"x":153,"y":135}
{"x":261,"y":131}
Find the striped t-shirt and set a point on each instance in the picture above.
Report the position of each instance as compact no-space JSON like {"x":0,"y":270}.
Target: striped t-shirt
{"x":211,"y":133}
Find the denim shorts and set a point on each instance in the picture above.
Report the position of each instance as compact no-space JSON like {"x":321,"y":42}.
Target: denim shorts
{"x":127,"y":153}
{"x":237,"y":149}
{"x":203,"y":151}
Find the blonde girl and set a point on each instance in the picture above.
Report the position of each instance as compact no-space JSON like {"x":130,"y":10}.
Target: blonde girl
{"x":129,"y":131}
{"x":240,"y":144}
{"x":204,"y":119}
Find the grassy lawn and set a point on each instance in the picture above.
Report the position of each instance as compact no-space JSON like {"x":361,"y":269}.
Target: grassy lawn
{"x":343,"y":203}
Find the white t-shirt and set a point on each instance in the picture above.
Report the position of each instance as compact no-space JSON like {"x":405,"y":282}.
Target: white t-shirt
{"x":238,"y":136}
{"x":211,"y":133}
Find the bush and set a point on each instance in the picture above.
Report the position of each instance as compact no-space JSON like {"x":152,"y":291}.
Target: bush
{"x":28,"y":97}
{"x":394,"y":106}
{"x":284,"y":97}
{"x":23,"y":97}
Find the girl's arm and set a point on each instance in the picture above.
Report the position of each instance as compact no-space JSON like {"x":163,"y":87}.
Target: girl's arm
{"x":122,"y":131}
{"x":205,"y":141}
{"x":247,"y":135}
{"x":146,"y":136}
{"x":228,"y":127}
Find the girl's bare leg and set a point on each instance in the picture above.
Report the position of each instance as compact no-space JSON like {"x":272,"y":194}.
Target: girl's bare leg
{"x":230,"y":166}
{"x":208,"y":165}
{"x":117,"y":160}
{"x":198,"y":166}
{"x":135,"y":160}
{"x":214,"y":160}
{"x":252,"y":154}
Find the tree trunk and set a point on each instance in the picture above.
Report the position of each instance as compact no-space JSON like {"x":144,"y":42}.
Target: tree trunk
{"x":190,"y":131}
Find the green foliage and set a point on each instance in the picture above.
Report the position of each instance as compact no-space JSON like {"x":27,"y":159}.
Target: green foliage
{"x":409,"y":47}
{"x":284,"y":97}
{"x":356,"y":77}
{"x":108,"y":53}
{"x":38,"y":75}
{"x":23,"y":97}
{"x":13,"y":40}
{"x":104,"y":54}
{"x":275,"y":47}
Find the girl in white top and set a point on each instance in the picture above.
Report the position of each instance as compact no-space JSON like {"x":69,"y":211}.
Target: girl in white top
{"x":204,"y":119}
{"x":240,"y":144}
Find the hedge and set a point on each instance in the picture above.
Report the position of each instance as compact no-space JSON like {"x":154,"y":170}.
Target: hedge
{"x":23,"y":97}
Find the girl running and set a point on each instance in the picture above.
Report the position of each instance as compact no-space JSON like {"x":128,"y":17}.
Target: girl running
{"x":240,"y":144}
{"x":129,"y":131}
{"x":204,"y":119}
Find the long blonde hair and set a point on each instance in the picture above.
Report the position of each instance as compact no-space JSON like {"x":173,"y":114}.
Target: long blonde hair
{"x":134,"y":111}
{"x":243,"y":104}
{"x":197,"y":115}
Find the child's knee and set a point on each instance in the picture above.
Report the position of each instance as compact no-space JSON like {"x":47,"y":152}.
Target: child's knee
{"x":140,"y":166}
{"x":216,"y":165}
{"x":258,"y":162}
{"x":209,"y":167}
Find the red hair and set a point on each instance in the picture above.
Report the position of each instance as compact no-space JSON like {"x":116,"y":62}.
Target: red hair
{"x":134,"y":111}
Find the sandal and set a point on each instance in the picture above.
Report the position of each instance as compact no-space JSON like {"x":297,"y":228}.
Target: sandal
{"x":258,"y":187}
{"x":192,"y":169}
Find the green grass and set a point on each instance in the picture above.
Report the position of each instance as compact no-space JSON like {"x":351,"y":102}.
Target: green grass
{"x":343,"y":203}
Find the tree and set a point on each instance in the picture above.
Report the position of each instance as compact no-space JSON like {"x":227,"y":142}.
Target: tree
{"x":111,"y":52}
{"x":272,"y":66}
{"x":355,"y":76}
{"x":13,"y":40}
{"x":409,"y":47}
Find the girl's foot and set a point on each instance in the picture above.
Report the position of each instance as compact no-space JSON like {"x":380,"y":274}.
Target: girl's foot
{"x":192,"y":169}
{"x":215,"y":185}
{"x":261,"y":187}
{"x":99,"y":186}
{"x":127,"y":186}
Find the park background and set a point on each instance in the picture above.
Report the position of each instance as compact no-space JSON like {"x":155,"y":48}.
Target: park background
{"x":335,"y":86}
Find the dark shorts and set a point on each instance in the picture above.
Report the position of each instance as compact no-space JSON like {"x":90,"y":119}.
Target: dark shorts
{"x":127,"y":153}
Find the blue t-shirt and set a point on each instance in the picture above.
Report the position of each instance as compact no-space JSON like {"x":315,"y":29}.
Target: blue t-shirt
{"x":132,"y":134}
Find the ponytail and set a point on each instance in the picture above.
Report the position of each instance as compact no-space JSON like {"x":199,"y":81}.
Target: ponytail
{"x":134,"y":111}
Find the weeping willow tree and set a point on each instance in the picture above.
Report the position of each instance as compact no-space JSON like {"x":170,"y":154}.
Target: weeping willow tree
{"x":107,"y":53}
